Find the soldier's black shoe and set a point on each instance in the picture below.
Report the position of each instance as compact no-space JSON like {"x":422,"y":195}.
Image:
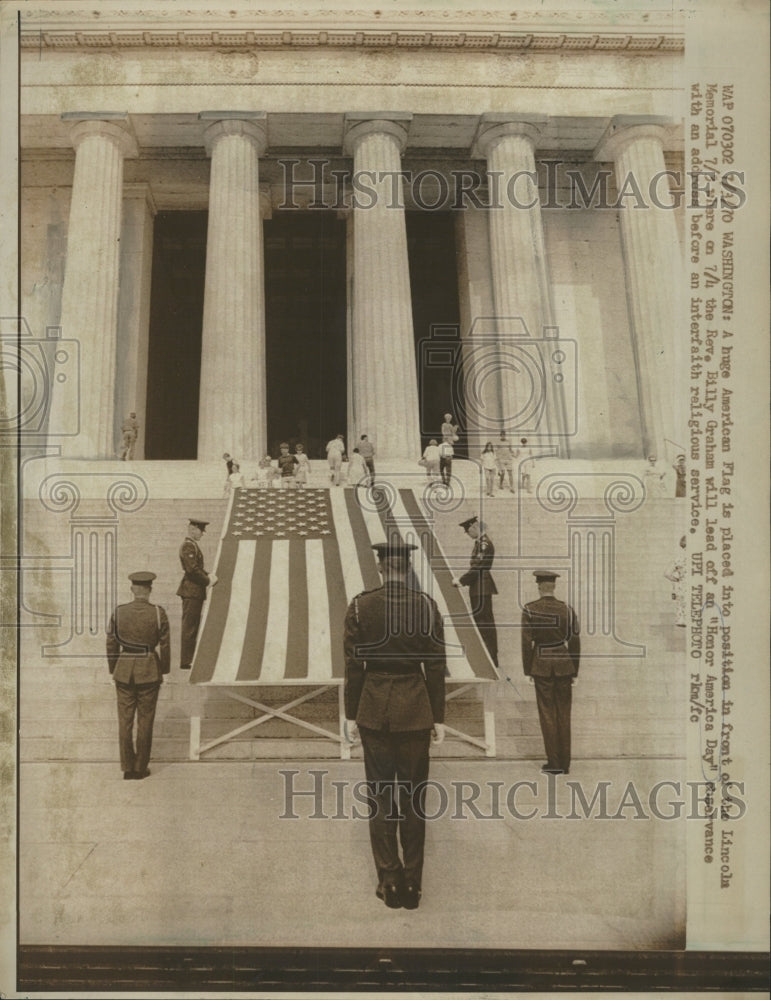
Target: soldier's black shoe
{"x":138,"y":775}
{"x":128,"y":775}
{"x":390,"y":896}
{"x":410,"y":896}
{"x":551,"y":770}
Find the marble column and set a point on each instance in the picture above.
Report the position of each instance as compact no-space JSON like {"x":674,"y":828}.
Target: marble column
{"x":232,"y":413}
{"x":521,"y":289}
{"x":90,"y":293}
{"x":136,"y":265}
{"x":384,"y":379}
{"x":652,"y":265}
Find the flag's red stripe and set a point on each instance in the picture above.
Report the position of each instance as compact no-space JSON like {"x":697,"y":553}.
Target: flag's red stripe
{"x":361,"y":537}
{"x":219,"y":597}
{"x":254,"y":636}
{"x":476,"y":652}
{"x":337,"y":603}
{"x":297,"y":637}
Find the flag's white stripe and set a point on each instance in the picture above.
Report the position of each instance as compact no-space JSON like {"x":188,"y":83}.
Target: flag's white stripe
{"x":231,"y":647}
{"x":277,"y":626}
{"x":372,"y":521}
{"x":319,"y":640}
{"x":457,"y":665}
{"x":346,"y":543}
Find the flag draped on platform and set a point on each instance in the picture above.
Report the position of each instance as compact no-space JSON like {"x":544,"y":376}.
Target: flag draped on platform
{"x":289,"y":563}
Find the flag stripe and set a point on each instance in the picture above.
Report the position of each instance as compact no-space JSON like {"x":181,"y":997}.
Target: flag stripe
{"x":213,"y":624}
{"x":453,"y":604}
{"x":347,"y":557}
{"x":229,"y":657}
{"x":256,"y":627}
{"x":338,"y":604}
{"x":457,"y":666}
{"x":366,"y":556}
{"x":277,"y":626}
{"x":297,"y":623}
{"x":319,"y":654}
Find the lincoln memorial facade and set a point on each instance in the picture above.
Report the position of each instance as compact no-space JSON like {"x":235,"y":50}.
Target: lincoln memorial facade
{"x":252,"y":226}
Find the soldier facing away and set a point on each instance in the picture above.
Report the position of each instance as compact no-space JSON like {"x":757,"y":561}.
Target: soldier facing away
{"x":394,"y":690}
{"x":138,"y":655}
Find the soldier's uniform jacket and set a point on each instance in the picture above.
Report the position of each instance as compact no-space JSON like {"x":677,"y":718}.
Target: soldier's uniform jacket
{"x":136,"y":629}
{"x":196,"y":579}
{"x":477,"y":577}
{"x":394,"y":659}
{"x":550,"y":640}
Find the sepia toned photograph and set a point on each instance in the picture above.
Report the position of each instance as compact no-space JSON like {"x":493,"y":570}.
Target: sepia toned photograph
{"x":384,"y":523}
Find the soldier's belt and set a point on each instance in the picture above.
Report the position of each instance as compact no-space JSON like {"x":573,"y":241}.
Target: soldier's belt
{"x":399,"y":669}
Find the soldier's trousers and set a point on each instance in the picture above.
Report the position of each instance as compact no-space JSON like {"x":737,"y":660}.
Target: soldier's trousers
{"x":402,"y":757}
{"x":554,"y":696}
{"x":482,"y":609}
{"x":191,"y":619}
{"x":139,"y":700}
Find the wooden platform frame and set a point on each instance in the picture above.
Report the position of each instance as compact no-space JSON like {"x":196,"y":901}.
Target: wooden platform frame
{"x":284,"y":712}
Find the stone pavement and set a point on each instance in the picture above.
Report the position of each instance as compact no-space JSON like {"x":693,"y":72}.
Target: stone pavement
{"x":199,"y":854}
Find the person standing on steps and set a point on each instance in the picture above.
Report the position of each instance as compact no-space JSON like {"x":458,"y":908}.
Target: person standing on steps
{"x":192,"y":589}
{"x":480,"y":583}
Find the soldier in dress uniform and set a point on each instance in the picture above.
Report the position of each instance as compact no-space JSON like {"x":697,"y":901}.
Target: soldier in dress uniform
{"x":192,"y":590}
{"x":480,"y":583}
{"x":394,"y":690}
{"x":551,"y":651}
{"x":138,"y":655}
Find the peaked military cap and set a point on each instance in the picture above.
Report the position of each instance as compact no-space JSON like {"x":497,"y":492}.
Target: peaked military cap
{"x":198,"y":524}
{"x":145,"y":576}
{"x":393,"y":548}
{"x":544,"y":575}
{"x":468,"y":522}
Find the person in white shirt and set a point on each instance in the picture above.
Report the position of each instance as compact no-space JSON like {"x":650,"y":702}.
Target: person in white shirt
{"x":357,"y":469}
{"x":235,"y":479}
{"x":431,"y":460}
{"x":446,"y":451}
{"x":490,"y":467}
{"x":335,"y":452}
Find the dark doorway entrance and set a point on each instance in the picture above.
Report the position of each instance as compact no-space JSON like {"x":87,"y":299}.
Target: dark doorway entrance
{"x":176,"y":319}
{"x":434,"y":289}
{"x":305,"y":325}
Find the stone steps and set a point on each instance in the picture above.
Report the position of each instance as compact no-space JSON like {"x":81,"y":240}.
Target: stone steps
{"x":622,"y":706}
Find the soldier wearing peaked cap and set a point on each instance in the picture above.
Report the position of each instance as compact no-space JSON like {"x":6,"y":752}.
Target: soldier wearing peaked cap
{"x":192,"y":589}
{"x":480,"y":583}
{"x":394,"y":690}
{"x":138,"y":655}
{"x":551,"y":651}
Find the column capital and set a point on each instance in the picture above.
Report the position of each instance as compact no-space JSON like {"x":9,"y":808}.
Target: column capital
{"x":496,"y":126}
{"x":120,"y":135}
{"x":624,"y":129}
{"x":359,"y":124}
{"x":252,"y":125}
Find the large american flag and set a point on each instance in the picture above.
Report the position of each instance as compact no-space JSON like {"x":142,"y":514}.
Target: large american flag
{"x":289,"y":563}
